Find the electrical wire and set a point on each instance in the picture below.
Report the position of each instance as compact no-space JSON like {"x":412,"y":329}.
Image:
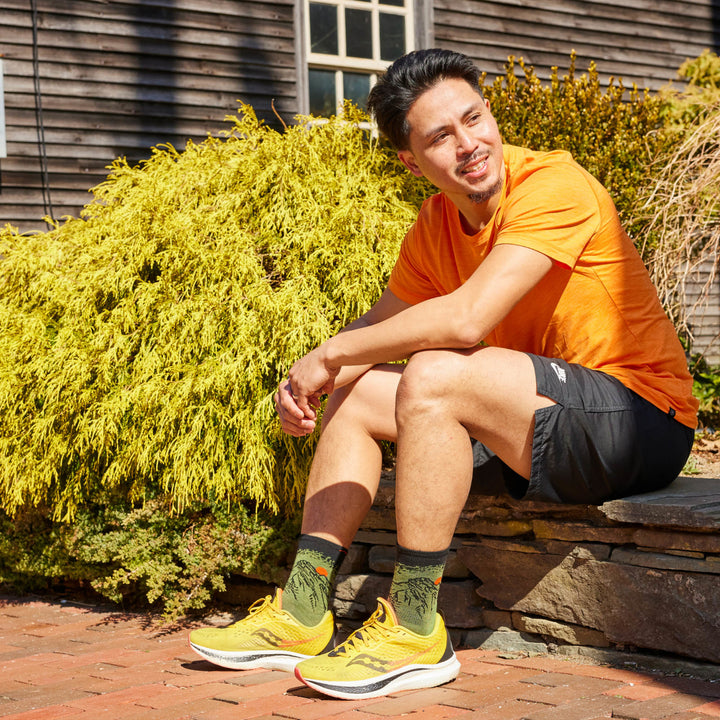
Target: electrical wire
{"x":42,"y":146}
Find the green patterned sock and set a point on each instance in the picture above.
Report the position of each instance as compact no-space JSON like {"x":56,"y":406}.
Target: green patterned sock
{"x":307,"y":592}
{"x":415,"y":587}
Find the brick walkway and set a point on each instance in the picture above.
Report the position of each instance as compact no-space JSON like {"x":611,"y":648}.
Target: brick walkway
{"x":71,"y":661}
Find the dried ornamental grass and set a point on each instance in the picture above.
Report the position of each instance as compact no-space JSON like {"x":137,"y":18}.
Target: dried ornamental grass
{"x":681,"y":216}
{"x":141,"y":344}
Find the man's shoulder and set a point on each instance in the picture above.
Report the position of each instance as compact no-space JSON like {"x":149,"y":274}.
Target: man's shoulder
{"x":434,"y":207}
{"x":548,"y":171}
{"x":523,"y":159}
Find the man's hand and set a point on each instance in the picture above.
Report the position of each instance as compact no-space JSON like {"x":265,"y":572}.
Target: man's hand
{"x":292,"y":418}
{"x":298,"y":397}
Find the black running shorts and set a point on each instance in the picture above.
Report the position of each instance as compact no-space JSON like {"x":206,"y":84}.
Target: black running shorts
{"x":600,"y":441}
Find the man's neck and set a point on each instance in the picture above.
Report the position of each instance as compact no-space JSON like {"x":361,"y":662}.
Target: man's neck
{"x":475,"y":216}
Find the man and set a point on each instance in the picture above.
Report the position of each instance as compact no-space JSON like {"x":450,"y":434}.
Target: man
{"x":531,"y":329}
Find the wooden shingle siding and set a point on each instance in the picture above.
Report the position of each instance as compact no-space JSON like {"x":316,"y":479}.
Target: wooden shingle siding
{"x":118,"y":77}
{"x":642,"y":41}
{"x":704,"y":317}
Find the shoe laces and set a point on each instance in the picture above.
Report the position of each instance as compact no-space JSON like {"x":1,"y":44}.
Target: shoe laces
{"x":373,"y":630}
{"x":261,"y":605}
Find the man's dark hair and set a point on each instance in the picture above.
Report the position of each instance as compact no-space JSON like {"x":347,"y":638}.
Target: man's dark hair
{"x":406,"y":80}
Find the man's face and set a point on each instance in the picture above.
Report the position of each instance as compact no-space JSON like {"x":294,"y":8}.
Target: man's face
{"x":455,"y":143}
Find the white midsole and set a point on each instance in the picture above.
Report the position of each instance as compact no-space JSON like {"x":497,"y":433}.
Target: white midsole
{"x":268,"y":659}
{"x":411,"y":677}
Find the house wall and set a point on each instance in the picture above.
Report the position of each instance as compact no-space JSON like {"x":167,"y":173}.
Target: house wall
{"x":100,"y":79}
{"x":642,"y":41}
{"x":115,"y":78}
{"x":702,"y":302}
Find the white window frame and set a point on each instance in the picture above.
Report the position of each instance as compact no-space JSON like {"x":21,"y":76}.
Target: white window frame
{"x":3,"y":141}
{"x":341,"y":62}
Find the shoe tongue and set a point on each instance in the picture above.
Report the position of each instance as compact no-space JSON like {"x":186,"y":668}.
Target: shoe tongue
{"x":386,"y":612}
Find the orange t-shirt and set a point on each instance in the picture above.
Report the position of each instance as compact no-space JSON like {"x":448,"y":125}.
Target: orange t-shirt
{"x":597,"y":306}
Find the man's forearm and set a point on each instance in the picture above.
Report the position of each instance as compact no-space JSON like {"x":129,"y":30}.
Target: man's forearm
{"x":419,"y":327}
{"x":461,"y":319}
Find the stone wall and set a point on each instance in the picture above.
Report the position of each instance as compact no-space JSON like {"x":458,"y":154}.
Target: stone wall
{"x":642,"y":572}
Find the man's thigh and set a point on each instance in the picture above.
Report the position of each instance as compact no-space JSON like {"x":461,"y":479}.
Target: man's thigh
{"x":598,"y":441}
{"x":491,"y":392}
{"x":368,"y":400}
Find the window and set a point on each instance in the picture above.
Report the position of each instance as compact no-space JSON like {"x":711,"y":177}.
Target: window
{"x":348,"y":43}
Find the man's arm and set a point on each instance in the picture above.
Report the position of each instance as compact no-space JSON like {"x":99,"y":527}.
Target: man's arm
{"x":298,"y":423}
{"x":461,"y":319}
{"x":387,"y":306}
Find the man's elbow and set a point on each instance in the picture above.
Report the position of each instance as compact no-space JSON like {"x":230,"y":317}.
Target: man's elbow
{"x":466,"y":333}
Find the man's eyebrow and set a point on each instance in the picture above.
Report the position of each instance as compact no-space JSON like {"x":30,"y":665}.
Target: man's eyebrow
{"x":469,"y":111}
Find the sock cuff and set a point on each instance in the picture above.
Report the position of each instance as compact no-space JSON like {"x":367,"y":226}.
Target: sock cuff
{"x":318,"y":544}
{"x":421,"y":558}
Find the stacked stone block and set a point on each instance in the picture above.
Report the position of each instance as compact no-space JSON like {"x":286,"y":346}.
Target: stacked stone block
{"x":638,"y":573}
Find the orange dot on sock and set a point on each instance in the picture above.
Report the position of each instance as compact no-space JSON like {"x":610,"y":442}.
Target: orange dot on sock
{"x":439,"y":580}
{"x":321,"y":571}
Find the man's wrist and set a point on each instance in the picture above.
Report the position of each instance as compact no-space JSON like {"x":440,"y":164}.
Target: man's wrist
{"x":330,"y":355}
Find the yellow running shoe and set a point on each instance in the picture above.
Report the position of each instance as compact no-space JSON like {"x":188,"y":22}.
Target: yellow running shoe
{"x":382,"y":657}
{"x":269,"y":637}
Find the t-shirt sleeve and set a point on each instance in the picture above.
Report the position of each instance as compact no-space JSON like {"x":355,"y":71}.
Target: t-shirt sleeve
{"x":554,"y":211}
{"x":407,"y":280}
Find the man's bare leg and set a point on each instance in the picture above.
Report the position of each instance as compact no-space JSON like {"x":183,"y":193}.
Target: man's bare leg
{"x":341,"y":487}
{"x":347,"y":462}
{"x":444,"y":399}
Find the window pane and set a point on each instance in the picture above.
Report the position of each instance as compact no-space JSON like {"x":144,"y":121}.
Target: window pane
{"x":392,"y":36}
{"x":358,"y":31}
{"x":356,"y":88}
{"x":322,"y":92}
{"x":395,"y":3}
{"x":323,"y":29}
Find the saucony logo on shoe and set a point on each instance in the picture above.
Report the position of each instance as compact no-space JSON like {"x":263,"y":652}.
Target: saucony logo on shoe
{"x":268,"y":636}
{"x":369,"y":661}
{"x":376,"y":663}
{"x":273,"y":639}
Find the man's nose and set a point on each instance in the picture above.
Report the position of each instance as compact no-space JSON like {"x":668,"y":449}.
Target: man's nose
{"x":466,"y":143}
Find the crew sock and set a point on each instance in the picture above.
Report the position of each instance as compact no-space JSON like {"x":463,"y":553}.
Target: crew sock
{"x":307,"y":592}
{"x":415,"y":587}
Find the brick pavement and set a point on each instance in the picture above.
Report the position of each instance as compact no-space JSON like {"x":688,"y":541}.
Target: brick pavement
{"x":68,"y":661}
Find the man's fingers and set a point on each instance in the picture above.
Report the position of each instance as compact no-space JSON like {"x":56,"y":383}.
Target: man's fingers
{"x":286,"y":401}
{"x":293,"y":420}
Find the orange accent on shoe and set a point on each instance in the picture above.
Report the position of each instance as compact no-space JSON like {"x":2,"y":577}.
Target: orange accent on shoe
{"x":321,"y":571}
{"x":439,"y":580}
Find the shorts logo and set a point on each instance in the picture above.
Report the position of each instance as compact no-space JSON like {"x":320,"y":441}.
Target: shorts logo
{"x":560,"y":372}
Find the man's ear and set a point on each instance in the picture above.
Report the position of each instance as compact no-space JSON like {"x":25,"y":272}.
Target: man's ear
{"x":408,"y":160}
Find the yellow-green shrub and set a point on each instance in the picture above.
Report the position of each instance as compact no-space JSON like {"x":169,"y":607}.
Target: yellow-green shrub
{"x":701,"y":91}
{"x":146,"y":556}
{"x":141,"y":344}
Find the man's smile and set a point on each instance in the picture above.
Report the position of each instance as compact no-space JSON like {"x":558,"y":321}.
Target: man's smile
{"x":474,"y":166}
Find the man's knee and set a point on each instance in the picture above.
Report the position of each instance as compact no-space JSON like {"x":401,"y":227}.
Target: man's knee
{"x":429,"y":380}
{"x":349,"y":399}
{"x":368,"y":401}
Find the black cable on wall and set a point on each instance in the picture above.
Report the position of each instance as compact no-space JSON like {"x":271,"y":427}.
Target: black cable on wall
{"x":42,"y":146}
